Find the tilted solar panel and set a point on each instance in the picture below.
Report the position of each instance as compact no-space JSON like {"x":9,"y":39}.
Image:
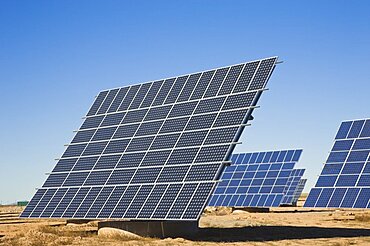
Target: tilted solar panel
{"x":153,"y":150}
{"x":345,"y":179}
{"x":255,"y":179}
{"x":299,"y":190}
{"x":291,"y":186}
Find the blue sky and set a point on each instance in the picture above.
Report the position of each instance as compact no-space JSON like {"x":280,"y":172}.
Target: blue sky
{"x":55,"y":56}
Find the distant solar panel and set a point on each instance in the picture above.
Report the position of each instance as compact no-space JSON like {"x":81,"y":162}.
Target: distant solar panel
{"x":291,"y":186}
{"x":299,"y":190}
{"x":255,"y":179}
{"x":153,"y":150}
{"x":345,"y":179}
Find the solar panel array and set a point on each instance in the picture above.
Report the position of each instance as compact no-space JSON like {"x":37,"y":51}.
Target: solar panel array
{"x":345,"y":179}
{"x":299,"y":190}
{"x":255,"y":179}
{"x":292,"y":184}
{"x":153,"y":150}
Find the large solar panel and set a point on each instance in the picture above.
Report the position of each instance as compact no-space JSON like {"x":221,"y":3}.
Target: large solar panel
{"x":292,"y":184}
{"x":299,"y":190}
{"x":153,"y":151}
{"x":255,"y":179}
{"x":345,"y":179}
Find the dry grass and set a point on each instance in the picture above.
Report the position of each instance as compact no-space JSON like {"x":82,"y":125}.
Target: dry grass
{"x":65,"y":231}
{"x":48,"y":235}
{"x":70,"y":235}
{"x":35,"y":238}
{"x":125,"y":238}
{"x":52,"y":233}
{"x":362,"y":217}
{"x":345,"y":243}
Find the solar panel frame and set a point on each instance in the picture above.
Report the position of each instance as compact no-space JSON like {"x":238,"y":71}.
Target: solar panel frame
{"x":336,"y":186}
{"x":205,"y":187}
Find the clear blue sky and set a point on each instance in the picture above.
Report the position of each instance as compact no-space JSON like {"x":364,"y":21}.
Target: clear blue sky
{"x":55,"y":56}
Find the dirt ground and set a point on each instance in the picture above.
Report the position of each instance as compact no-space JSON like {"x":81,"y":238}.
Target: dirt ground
{"x":280,"y":226}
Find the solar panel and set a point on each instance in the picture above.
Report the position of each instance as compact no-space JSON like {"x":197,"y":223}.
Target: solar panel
{"x":153,"y":150}
{"x":299,"y":190}
{"x":255,"y":179}
{"x":292,"y":184}
{"x":345,"y":179}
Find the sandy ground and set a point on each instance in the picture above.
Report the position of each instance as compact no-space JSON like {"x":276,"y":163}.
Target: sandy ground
{"x":281,"y":226}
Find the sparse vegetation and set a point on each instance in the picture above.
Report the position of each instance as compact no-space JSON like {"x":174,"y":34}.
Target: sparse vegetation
{"x":363,"y":217}
{"x":52,"y":233}
{"x":122,"y":238}
{"x":66,"y":232}
{"x":238,"y":224}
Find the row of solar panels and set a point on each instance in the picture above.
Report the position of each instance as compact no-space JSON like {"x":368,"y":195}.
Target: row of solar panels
{"x":343,"y":183}
{"x":160,"y":151}
{"x":260,"y":179}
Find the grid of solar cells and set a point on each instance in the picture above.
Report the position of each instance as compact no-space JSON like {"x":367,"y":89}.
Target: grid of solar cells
{"x":345,"y":179}
{"x":153,"y":150}
{"x":291,"y":186}
{"x":299,"y":190}
{"x":255,"y":179}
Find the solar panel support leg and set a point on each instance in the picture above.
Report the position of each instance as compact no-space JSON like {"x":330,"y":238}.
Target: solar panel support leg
{"x":253,"y":210}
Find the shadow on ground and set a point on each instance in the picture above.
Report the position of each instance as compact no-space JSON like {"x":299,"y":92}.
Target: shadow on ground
{"x":299,"y":211}
{"x":273,"y":233}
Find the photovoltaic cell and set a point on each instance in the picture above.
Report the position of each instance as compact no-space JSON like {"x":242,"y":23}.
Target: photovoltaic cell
{"x":230,"y":80}
{"x":107,"y":101}
{"x":257,"y":179}
{"x":216,"y":82}
{"x":97,"y":103}
{"x":118,"y":99}
{"x":136,"y":102}
{"x":153,"y":150}
{"x":189,"y":87}
{"x":129,"y":97}
{"x":176,"y":89}
{"x":202,"y":85}
{"x":162,"y":94}
{"x":148,"y":100}
{"x":345,"y":181}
